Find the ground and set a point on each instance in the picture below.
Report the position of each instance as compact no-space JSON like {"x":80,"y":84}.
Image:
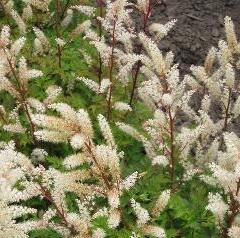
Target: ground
{"x":200,"y":25}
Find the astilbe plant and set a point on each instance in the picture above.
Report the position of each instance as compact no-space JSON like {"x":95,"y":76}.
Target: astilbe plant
{"x":218,"y":145}
{"x":102,"y":166}
{"x":186,"y":140}
{"x":23,"y":180}
{"x":117,"y":49}
{"x":113,"y":48}
{"x":167,"y":142}
{"x":217,"y":87}
{"x":170,"y":143}
{"x":225,"y":174}
{"x":103,"y":159}
{"x":14,"y":80}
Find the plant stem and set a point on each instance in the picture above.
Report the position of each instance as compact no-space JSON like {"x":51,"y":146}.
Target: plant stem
{"x":60,"y":212}
{"x":22,"y":100}
{"x":234,"y":208}
{"x":102,"y":174}
{"x":139,"y":64}
{"x":111,"y":66}
{"x":100,"y":71}
{"x":59,"y":56}
{"x":172,"y":148}
{"x":58,"y":15}
{"x":135,"y":82}
{"x":227,"y":111}
{"x":65,"y":9}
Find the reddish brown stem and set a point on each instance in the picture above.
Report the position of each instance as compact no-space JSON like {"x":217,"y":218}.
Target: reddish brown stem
{"x":30,"y":120}
{"x":172,"y":146}
{"x":102,"y":174}
{"x":58,"y":16}
{"x":135,"y":82}
{"x":60,"y":212}
{"x":227,"y":111}
{"x":234,"y":208}
{"x":100,"y":35}
{"x":139,"y":64}
{"x":111,"y":66}
{"x":238,"y":188}
{"x":65,"y":9}
{"x":59,"y":56}
{"x":22,"y":100}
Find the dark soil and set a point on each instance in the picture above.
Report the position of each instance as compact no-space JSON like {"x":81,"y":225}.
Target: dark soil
{"x":200,"y":25}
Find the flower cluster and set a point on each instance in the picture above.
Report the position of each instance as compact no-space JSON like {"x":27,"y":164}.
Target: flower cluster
{"x":190,"y":132}
{"x":206,"y":132}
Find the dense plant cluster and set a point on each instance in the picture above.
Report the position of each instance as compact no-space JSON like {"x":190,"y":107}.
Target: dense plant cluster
{"x":101,"y":136}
